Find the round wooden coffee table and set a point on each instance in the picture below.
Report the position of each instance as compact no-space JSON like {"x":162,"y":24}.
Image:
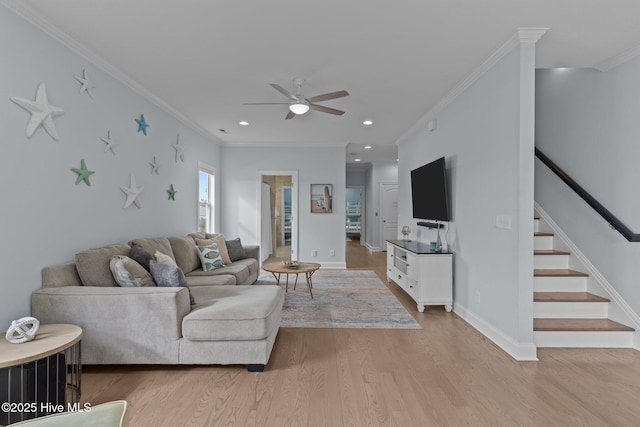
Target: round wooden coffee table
{"x":306,"y":268}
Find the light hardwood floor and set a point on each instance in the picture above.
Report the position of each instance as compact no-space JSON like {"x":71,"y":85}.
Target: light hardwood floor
{"x":446,"y":374}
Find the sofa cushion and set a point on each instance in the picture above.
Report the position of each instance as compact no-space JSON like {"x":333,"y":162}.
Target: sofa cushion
{"x":235,"y":249}
{"x":164,"y":259}
{"x":233,"y":313}
{"x":142,"y":257}
{"x":93,"y":265}
{"x":152,"y":245}
{"x":210,"y":257}
{"x":170,"y":276}
{"x":186,"y":253}
{"x":211,"y":280}
{"x":128,"y":273}
{"x":240,"y":271}
{"x":222,"y":246}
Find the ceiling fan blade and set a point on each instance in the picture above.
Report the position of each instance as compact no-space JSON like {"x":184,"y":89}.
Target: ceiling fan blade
{"x":328,"y":96}
{"x":326,"y":109}
{"x":284,"y":91}
{"x":291,"y":115}
{"x":266,"y":103}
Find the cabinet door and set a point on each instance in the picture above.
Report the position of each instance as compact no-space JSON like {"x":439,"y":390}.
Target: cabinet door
{"x":413,"y":266}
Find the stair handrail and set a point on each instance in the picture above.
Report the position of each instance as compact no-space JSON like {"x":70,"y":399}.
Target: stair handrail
{"x":591,"y":201}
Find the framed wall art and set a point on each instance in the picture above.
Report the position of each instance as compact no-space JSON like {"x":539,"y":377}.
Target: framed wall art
{"x":321,"y":198}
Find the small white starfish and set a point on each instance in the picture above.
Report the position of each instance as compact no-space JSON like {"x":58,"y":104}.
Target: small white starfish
{"x":86,"y":85}
{"x":154,"y":166}
{"x":179,"y":149}
{"x":111,"y":145}
{"x":42,"y":113}
{"x":133,"y":193}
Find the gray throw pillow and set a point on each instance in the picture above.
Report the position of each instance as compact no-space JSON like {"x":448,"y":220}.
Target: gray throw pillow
{"x":167,"y":275}
{"x":235,"y":249}
{"x":137,"y":253}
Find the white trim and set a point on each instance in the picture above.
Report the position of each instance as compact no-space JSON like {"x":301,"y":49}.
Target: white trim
{"x":211,"y":170}
{"x":522,"y":35}
{"x":519,"y":351}
{"x":21,"y":9}
{"x":615,"y":297}
{"x":332,"y":265}
{"x":373,"y":248}
{"x":294,"y":205}
{"x":619,"y":59}
{"x":284,"y":144}
{"x":380,"y":216}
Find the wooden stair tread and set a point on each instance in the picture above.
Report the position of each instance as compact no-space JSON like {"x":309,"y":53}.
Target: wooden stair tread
{"x":549,"y":252}
{"x":567,"y":297}
{"x":557,"y":272}
{"x":577,"y":325}
{"x":542,"y":233}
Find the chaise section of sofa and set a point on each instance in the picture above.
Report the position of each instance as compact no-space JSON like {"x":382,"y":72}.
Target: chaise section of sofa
{"x":234,"y":324}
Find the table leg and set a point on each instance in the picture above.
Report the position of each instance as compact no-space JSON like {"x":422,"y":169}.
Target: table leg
{"x":309,"y":283}
{"x":296,"y":282}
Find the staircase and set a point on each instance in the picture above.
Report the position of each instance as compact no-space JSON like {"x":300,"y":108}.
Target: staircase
{"x":565,"y":313}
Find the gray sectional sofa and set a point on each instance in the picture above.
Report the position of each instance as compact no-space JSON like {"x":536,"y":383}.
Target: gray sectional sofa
{"x":231,"y":322}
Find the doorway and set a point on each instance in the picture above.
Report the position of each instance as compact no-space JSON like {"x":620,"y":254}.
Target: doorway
{"x":354,"y":210}
{"x":277,"y":224}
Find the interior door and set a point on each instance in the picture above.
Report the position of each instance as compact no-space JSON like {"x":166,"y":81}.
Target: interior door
{"x":389,"y":212}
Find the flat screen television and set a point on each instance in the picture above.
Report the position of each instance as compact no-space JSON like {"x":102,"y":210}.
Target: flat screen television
{"x":429,"y":193}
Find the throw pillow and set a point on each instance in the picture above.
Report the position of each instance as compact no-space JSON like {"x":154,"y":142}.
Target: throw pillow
{"x":170,"y":276}
{"x":164,"y":259}
{"x":222,"y":246}
{"x":141,"y":256}
{"x":210,"y":257}
{"x":128,"y":273}
{"x":236,"y":251}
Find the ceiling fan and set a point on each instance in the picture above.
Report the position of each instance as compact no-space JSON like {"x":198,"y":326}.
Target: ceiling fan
{"x":298,"y":104}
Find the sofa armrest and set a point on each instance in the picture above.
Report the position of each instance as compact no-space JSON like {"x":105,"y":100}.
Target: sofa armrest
{"x":120,"y":325}
{"x":253,"y":251}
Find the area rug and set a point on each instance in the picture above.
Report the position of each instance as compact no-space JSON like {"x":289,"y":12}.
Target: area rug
{"x":342,"y":299}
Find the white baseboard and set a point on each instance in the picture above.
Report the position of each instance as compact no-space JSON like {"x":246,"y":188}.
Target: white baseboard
{"x":523,"y":352}
{"x":373,"y":248}
{"x":333,"y":265}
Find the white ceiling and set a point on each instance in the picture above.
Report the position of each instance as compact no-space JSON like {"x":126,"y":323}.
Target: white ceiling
{"x":203,"y":59}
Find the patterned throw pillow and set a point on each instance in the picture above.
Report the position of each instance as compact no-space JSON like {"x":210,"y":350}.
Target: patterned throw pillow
{"x":218,"y":239}
{"x":210,"y":257}
{"x":128,"y":273}
{"x":170,"y":276}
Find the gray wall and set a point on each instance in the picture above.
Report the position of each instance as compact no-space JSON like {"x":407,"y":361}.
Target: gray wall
{"x":489,"y":154}
{"x":587,"y":122}
{"x":239,"y":197}
{"x":45,"y":217}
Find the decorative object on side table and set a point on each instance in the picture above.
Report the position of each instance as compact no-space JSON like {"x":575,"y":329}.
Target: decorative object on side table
{"x":321,"y":198}
{"x":405,"y":232}
{"x":291,"y":264}
{"x":22,"y":330}
{"x":42,"y":113}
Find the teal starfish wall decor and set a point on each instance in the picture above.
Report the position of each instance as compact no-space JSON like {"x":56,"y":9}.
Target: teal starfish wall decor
{"x":142,"y":125}
{"x":172,"y":193}
{"x":83,"y":173}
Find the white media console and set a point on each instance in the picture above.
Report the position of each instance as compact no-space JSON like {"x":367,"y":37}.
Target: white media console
{"x":427,"y":276}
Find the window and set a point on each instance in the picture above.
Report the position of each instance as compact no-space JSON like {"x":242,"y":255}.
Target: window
{"x":206,"y":198}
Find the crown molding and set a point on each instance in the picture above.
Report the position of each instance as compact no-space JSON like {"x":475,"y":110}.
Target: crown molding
{"x":238,"y":144}
{"x":619,"y":59}
{"x":39,"y":21}
{"x":522,"y":35}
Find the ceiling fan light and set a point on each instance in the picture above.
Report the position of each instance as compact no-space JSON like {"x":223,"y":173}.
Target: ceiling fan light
{"x":299,"y":107}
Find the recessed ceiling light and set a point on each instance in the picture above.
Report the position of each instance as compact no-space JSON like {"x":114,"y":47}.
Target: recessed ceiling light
{"x":367,"y":147}
{"x":356,"y":160}
{"x":367,"y":122}
{"x":244,"y":123}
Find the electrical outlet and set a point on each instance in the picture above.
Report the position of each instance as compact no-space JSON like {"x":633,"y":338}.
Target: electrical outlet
{"x":332,"y":252}
{"x":314,"y":253}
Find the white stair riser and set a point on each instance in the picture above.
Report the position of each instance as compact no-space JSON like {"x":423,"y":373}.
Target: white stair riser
{"x":560,"y":284}
{"x":570,"y":310}
{"x":542,"y":242}
{"x":585,"y":339}
{"x":550,"y":261}
{"x":536,"y":225}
